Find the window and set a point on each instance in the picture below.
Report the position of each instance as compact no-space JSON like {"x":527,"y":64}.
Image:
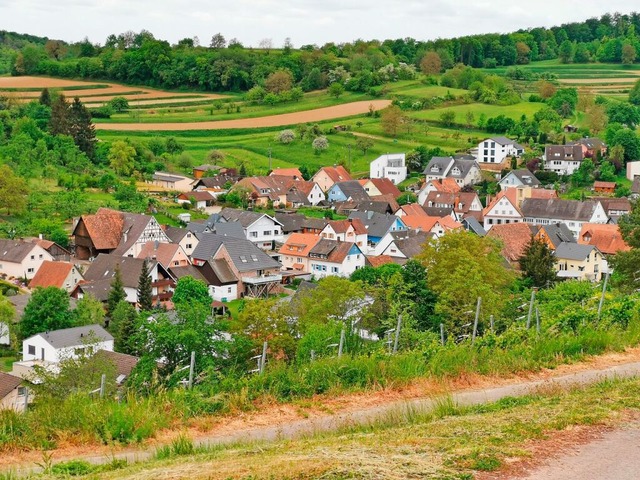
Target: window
{"x":31,"y":349}
{"x":243,"y":259}
{"x":176,"y":263}
{"x":335,"y":269}
{"x":30,"y":270}
{"x":266,"y":233}
{"x":40,"y":256}
{"x":189,"y":246}
{"x":254,"y":234}
{"x":229,"y":290}
{"x":33,"y":257}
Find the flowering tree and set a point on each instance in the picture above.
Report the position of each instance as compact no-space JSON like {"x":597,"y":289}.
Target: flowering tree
{"x":320,"y":144}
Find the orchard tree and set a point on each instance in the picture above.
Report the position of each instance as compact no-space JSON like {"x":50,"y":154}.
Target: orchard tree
{"x":364,"y":144}
{"x":279,"y":81}
{"x":119,"y":104}
{"x":391,"y":119}
{"x":286,"y":136}
{"x":320,"y":144}
{"x":448,"y":117}
{"x":13,"y":191}
{"x":336,"y":89}
{"x":538,"y":263}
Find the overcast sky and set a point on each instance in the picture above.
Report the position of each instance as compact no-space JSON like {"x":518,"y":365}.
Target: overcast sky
{"x":304,"y":21}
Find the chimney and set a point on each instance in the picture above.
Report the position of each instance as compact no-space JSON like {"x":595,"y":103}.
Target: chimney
{"x":40,"y":236}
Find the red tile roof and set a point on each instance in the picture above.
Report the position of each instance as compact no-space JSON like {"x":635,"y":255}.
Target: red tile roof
{"x":378,"y":261}
{"x":543,"y":193}
{"x":386,"y":187}
{"x":104,"y":228}
{"x":606,"y":238}
{"x":287,"y":172}
{"x":337,"y":174}
{"x":423,"y":223}
{"x":413,"y":209}
{"x":51,"y":274}
{"x":299,"y":244}
{"x":446,"y":185}
{"x":511,"y":194}
{"x":163,"y":253}
{"x":514,"y":236}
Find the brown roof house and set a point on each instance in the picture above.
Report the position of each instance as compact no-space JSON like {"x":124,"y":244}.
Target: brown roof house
{"x":563,"y":159}
{"x":12,"y":392}
{"x":380,"y":186}
{"x":20,"y":259}
{"x":514,"y":237}
{"x":326,"y":177}
{"x":111,"y":231}
{"x":606,"y":238}
{"x":64,"y":275}
{"x":166,"y":254}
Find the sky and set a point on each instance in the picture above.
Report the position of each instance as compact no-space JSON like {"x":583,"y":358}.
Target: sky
{"x":303,"y":21}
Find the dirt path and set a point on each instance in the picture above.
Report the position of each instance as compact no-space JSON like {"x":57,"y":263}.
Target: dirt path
{"x":316,"y":115}
{"x":292,"y":421}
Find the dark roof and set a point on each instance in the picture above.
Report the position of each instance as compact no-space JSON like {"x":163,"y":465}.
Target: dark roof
{"x":245,"y":217}
{"x":617,"y":204}
{"x":411,"y":242}
{"x":573,"y":251}
{"x":99,"y":289}
{"x":558,"y":233}
{"x":297,"y":197}
{"x":331,"y":250}
{"x":377,"y":224}
{"x":188,"y":271}
{"x":291,"y":222}
{"x":442,"y":164}
{"x":243,"y":253}
{"x":472,"y":225}
{"x":19,"y":302}
{"x":168,"y":177}
{"x":591,"y":143}
{"x":352,"y":190}
{"x":14,"y":251}
{"x":525,"y":176}
{"x":69,"y":337}
{"x":103,"y":268}
{"x":447,"y":167}
{"x":563,"y":152}
{"x":8,"y":383}
{"x":503,"y":141}
{"x":176,"y":234}
{"x":124,"y":363}
{"x":222,"y":272}
{"x":558,"y":208}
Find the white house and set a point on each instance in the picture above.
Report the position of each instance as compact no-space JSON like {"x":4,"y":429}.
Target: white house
{"x":351,"y":230}
{"x":562,"y":159}
{"x":573,"y":213}
{"x":462,"y":170}
{"x":503,"y":209}
{"x":497,"y":149}
{"x":519,"y":178}
{"x":580,"y":262}
{"x":391,"y":166}
{"x":261,"y":229}
{"x":68,"y":343}
{"x":183,"y":237}
{"x":20,"y":259}
{"x":330,"y":257}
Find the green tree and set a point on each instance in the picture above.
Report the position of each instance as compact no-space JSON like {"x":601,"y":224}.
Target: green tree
{"x":448,"y":117}
{"x":336,"y":89}
{"x":7,"y":318}
{"x":121,"y":157}
{"x":47,"y":310}
{"x":123,"y":325}
{"x":81,"y":128}
{"x":538,"y":263}
{"x":89,"y":311}
{"x":607,"y":172}
{"x":119,"y":104}
{"x":116,"y":291}
{"x":629,"y":54}
{"x":189,"y":291}
{"x":364,"y":144}
{"x":566,"y":52}
{"x":423,"y":299}
{"x":45,"y":97}
{"x":634,"y":93}
{"x":460,"y":268}
{"x":13,"y":191}
{"x":624,"y":113}
{"x":59,"y":123}
{"x":627,"y":139}
{"x":145,"y":291}
{"x":391,"y":119}
{"x":279,"y":81}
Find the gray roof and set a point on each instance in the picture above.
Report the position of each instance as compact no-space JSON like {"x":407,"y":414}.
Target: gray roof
{"x":69,"y":337}
{"x":441,"y":162}
{"x":167,"y":177}
{"x":591,"y":143}
{"x":291,"y":222}
{"x":15,"y":251}
{"x":558,"y":233}
{"x":525,"y":176}
{"x":447,"y":165}
{"x":352,"y":190}
{"x":103,"y":268}
{"x":504,"y":141}
{"x":563,"y":152}
{"x":245,"y":217}
{"x":187,"y":271}
{"x":243,"y":253}
{"x":557,"y":208}
{"x":573,"y":251}
{"x":222,"y":272}
{"x":133,"y":226}
{"x":20,"y":302}
{"x":473,"y":225}
{"x":411,"y":242}
{"x":377,"y":224}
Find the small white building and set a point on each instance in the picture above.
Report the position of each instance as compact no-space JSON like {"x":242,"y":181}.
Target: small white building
{"x":497,"y":149}
{"x":391,"y":166}
{"x":59,"y":345}
{"x":20,"y":259}
{"x":261,"y":229}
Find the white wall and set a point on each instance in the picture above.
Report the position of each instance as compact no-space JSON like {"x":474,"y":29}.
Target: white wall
{"x":5,"y":339}
{"x":29,"y":265}
{"x":44,"y":351}
{"x":256,"y":232}
{"x":351,"y":264}
{"x":495,"y":153}
{"x":227,"y":292}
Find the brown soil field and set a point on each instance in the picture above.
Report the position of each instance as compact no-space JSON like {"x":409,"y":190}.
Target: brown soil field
{"x":42,"y":82}
{"x":633,"y":77}
{"x":317,"y":115}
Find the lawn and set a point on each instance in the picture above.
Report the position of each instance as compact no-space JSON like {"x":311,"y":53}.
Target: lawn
{"x":512,"y":111}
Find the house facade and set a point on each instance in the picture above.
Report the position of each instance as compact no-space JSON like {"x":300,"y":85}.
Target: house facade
{"x":519,"y":178}
{"x":562,"y":159}
{"x":327,"y":176}
{"x":67,"y":343}
{"x":463,"y":171}
{"x":12,"y":392}
{"x":391,"y":166}
{"x":573,"y":213}
{"x":580,"y":262}
{"x":62,"y":275}
{"x":496,"y":150}
{"x":503,"y":209}
{"x":20,"y":259}
{"x":261,"y":229}
{"x":333,"y":258}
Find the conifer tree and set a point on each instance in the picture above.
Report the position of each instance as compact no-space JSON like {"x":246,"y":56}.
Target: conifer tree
{"x":59,"y":122}
{"x":81,"y":128}
{"x":145,"y":291}
{"x":45,"y":97}
{"x":116,"y":293}
{"x":538,"y":263}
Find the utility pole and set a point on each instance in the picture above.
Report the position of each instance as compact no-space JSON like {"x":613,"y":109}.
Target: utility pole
{"x":103,"y":380}
{"x":349,"y":149}
{"x":604,"y":289}
{"x":442,"y":333}
{"x":269,"y":159}
{"x":192,"y":367}
{"x":263,"y":358}
{"x":491,"y":323}
{"x":395,"y":342}
{"x":533,"y":297}
{"x":341,"y":344}
{"x":475,"y":322}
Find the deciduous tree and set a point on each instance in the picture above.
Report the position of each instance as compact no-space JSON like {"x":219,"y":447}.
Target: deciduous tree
{"x":47,"y":310}
{"x":391,"y":120}
{"x":431,"y":64}
{"x":121,"y":157}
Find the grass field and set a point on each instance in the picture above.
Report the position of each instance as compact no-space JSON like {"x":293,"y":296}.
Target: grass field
{"x":449,"y":442}
{"x":511,"y":111}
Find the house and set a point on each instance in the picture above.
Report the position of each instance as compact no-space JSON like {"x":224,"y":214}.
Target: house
{"x":606,"y":238}
{"x":380,"y":186}
{"x":462,"y":204}
{"x":470,"y":224}
{"x":58,"y":345}
{"x":496,"y":150}
{"x":635,"y":187}
{"x":64,"y":275}
{"x":216,"y":274}
{"x":380,"y":204}
{"x":171,"y":181}
{"x":257,"y":273}
{"x":580,"y":262}
{"x":518,"y":178}
{"x":12,"y":392}
{"x":633,"y":170}
{"x":330,"y":257}
{"x":350,"y":230}
{"x":58,"y":253}
{"x":204,"y":170}
{"x":111,"y":231}
{"x":554,"y":234}
{"x":99,"y":276}
{"x":503,"y":209}
{"x":378,"y":225}
{"x":183,"y":237}
{"x":221,"y":182}
{"x":166,"y":254}
{"x":348,"y":190}
{"x":198,"y":199}
{"x":293,"y":173}
{"x":614,"y":207}
{"x":327,"y":176}
{"x":571,"y":212}
{"x":444,"y":225}
{"x":405,"y":244}
{"x":515,"y":237}
{"x":298,"y":223}
{"x":391,"y":166}
{"x":443,"y":185}
{"x":264,"y":191}
{"x":591,"y":147}
{"x":20,"y":259}
{"x":123,"y":363}
{"x":463,"y":171}
{"x":604,"y":187}
{"x":562,"y":159}
{"x":303,"y":193}
{"x":294,"y":254}
{"x":260,"y":228}
{"x":378,"y":261}
{"x":411,"y":209}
